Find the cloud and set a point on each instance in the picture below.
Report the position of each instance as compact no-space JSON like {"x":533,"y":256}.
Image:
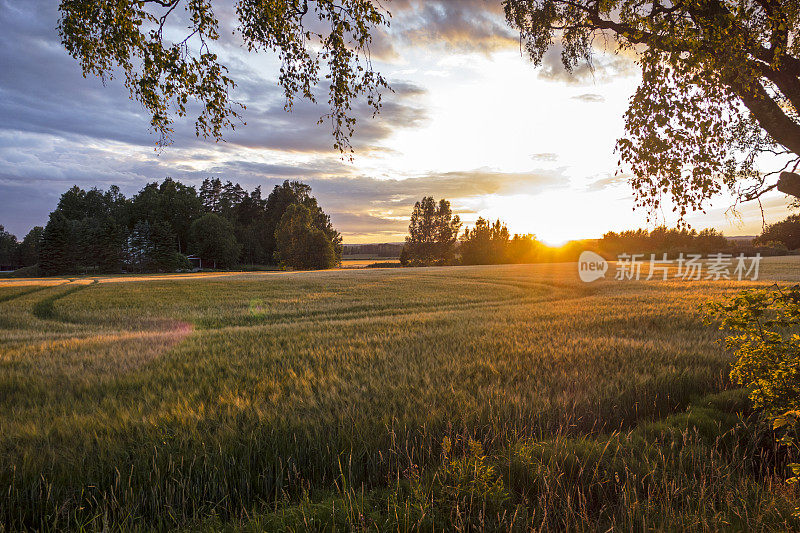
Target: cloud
{"x":60,"y":129}
{"x":360,"y":204}
{"x":607,"y":182}
{"x":605,"y":66}
{"x":590,"y":98}
{"x":457,"y":25}
{"x":32,"y":181}
{"x":269,"y":126}
{"x":42,"y":90}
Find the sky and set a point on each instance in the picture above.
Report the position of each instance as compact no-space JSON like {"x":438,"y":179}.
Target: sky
{"x":470,"y":120}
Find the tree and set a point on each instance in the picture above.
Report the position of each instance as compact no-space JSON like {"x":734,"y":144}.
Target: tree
{"x":59,"y":248}
{"x":313,"y":39}
{"x":721,"y":85}
{"x":485,"y":244}
{"x":109,"y":240}
{"x":211,"y":195}
{"x":765,"y":323}
{"x":86,"y":232}
{"x":30,"y":247}
{"x":140,"y":247}
{"x":524,"y":249}
{"x":786,"y":231}
{"x":433,"y":232}
{"x":172,"y":202}
{"x":211,"y":237}
{"x":302,"y":245}
{"x":8,"y":248}
{"x":290,"y":193}
{"x":163,"y":251}
{"x":249,"y":220}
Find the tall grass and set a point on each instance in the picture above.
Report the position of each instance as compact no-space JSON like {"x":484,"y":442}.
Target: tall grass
{"x":322,"y":400}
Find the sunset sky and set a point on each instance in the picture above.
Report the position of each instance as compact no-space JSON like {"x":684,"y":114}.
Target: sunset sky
{"x":471,"y":120}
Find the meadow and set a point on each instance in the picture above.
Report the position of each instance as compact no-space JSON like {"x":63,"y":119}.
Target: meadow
{"x":509,"y":397}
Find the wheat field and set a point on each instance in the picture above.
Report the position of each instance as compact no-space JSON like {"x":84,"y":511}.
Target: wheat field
{"x":465,"y":398}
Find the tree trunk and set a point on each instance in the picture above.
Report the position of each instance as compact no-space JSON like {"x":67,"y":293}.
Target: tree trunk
{"x":789,"y":183}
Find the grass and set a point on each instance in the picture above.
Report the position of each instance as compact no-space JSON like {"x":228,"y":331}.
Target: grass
{"x":323,"y":400}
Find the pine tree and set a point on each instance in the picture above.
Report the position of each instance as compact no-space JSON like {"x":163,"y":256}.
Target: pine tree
{"x":140,"y":246}
{"x":59,"y":246}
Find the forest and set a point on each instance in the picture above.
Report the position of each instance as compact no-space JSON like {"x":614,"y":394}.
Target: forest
{"x":157,"y":229}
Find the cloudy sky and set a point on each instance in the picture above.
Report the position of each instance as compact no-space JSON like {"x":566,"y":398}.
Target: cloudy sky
{"x":470,"y":120}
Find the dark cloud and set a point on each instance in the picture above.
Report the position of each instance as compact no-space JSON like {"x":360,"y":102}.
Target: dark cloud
{"x":269,"y":126}
{"x":43,"y":91}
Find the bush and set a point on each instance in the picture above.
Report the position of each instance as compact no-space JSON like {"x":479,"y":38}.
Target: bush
{"x":765,"y":340}
{"x":764,"y":323}
{"x":32,"y":271}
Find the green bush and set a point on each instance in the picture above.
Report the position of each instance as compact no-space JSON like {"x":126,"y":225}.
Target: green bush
{"x":765,"y":325}
{"x":32,"y":271}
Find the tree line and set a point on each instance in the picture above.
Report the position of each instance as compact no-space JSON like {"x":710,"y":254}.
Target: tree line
{"x":434,"y":240}
{"x":155,"y":230}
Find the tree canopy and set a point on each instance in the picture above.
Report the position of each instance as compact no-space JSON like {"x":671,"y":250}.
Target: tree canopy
{"x":302,"y":245}
{"x":212,"y":238}
{"x":786,"y":231}
{"x":433,"y":233}
{"x":720,"y":86}
{"x":102,"y":231}
{"x":318,"y":42}
{"x":485,"y":244}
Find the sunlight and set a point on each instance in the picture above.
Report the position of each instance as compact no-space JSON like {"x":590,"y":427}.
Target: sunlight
{"x":546,"y":216}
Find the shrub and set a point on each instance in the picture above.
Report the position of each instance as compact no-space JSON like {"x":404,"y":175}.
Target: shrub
{"x":764,"y":323}
{"x":765,"y":340}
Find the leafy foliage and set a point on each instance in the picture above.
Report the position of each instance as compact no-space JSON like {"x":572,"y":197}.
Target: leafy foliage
{"x":766,"y":342}
{"x":212,"y":238}
{"x":104,"y":231}
{"x":433,"y":233}
{"x":301,"y":245}
{"x":765,"y":323}
{"x":720,"y":85}
{"x":170,"y":202}
{"x":295,"y":192}
{"x":168,"y":74}
{"x":8,"y":247}
{"x":485,"y":244}
{"x":789,"y":424}
{"x":786,"y":231}
{"x":661,"y":240}
{"x":86,"y":232}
